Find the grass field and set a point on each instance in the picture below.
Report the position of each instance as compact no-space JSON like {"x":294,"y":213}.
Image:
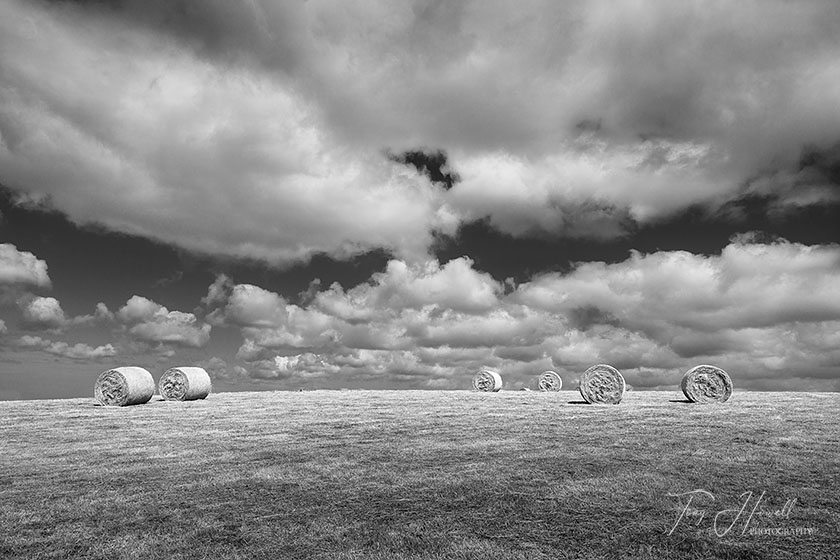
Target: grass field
{"x":421,"y":475}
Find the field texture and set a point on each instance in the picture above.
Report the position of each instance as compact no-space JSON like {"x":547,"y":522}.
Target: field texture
{"x":422,"y":475}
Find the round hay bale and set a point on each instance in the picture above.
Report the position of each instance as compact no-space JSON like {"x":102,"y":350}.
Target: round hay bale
{"x":124,"y":386}
{"x":550,"y":381}
{"x":602,"y":384}
{"x":706,"y":384}
{"x":487,"y":380}
{"x":184,"y":384}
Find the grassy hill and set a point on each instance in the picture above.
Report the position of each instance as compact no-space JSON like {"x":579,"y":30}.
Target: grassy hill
{"x":422,"y":475}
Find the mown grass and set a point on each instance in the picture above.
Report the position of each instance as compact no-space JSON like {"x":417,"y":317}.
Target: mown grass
{"x":417,"y":475}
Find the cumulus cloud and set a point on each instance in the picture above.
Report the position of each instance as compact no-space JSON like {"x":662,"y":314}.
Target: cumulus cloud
{"x":282,"y":187}
{"x":21,"y":267}
{"x":456,"y":285}
{"x":220,"y":369}
{"x":78,"y":351}
{"x":747,"y":286}
{"x":252,"y":306}
{"x":43,"y":313}
{"x":765,"y":311}
{"x":47,"y":313}
{"x":572,"y":119}
{"x":151,"y":322}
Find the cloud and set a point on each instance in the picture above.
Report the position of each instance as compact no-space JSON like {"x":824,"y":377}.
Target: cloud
{"x":456,"y":285}
{"x":78,"y":351}
{"x":151,"y":322}
{"x":220,"y":369}
{"x":3,"y":328}
{"x":253,"y":306}
{"x":560,"y":119}
{"x":282,"y":187}
{"x":764,"y":311}
{"x":748,"y":285}
{"x":138,"y":309}
{"x":43,"y":313}
{"x":102,"y":313}
{"x":21,"y":267}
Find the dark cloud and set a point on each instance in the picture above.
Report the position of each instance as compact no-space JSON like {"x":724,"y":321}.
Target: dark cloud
{"x":584,"y":317}
{"x":432,"y":163}
{"x":566,"y":120}
{"x":822,"y":165}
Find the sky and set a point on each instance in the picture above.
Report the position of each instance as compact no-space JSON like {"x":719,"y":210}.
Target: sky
{"x":391,"y":195}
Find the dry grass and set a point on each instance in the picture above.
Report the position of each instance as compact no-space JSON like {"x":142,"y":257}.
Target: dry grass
{"x":124,"y":386}
{"x":403,"y":475}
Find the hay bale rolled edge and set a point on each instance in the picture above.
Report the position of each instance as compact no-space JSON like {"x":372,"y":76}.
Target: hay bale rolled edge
{"x":185,"y":383}
{"x":602,"y":384}
{"x":124,"y":386}
{"x":550,"y":381}
{"x":706,"y":384}
{"x":487,"y":381}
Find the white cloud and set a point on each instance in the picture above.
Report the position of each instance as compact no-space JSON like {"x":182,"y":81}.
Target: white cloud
{"x":748,"y":285}
{"x":455,"y":285}
{"x":21,"y":267}
{"x":78,"y":351}
{"x":571,"y":119}
{"x":151,"y":322}
{"x":138,"y":308}
{"x":762,"y":311}
{"x":43,"y":312}
{"x":282,"y":188}
{"x":253,"y":306}
{"x":102,"y":313}
{"x":3,"y":328}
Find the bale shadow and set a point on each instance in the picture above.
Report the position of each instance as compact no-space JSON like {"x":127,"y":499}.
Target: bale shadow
{"x":577,"y":402}
{"x":97,"y":404}
{"x":684,"y":401}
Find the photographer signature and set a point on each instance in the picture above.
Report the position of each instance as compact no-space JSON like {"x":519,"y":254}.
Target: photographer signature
{"x":725,"y":520}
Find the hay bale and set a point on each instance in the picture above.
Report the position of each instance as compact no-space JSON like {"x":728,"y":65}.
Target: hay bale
{"x":124,"y":386}
{"x":487,"y":380}
{"x":602,"y":384}
{"x":184,"y":384}
{"x":706,"y":384}
{"x":550,"y":381}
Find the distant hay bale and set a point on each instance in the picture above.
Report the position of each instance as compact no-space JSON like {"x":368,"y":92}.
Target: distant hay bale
{"x":184,"y":384}
{"x":487,"y":380}
{"x":124,"y":386}
{"x":706,"y":384}
{"x":602,"y":384}
{"x":550,"y":381}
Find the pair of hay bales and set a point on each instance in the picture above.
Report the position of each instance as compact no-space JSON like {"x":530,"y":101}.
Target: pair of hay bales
{"x":489,"y":381}
{"x":603,"y":384}
{"x":124,"y":386}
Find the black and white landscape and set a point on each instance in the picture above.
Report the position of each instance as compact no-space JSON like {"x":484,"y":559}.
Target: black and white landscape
{"x":318,"y":195}
{"x":387,"y":196}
